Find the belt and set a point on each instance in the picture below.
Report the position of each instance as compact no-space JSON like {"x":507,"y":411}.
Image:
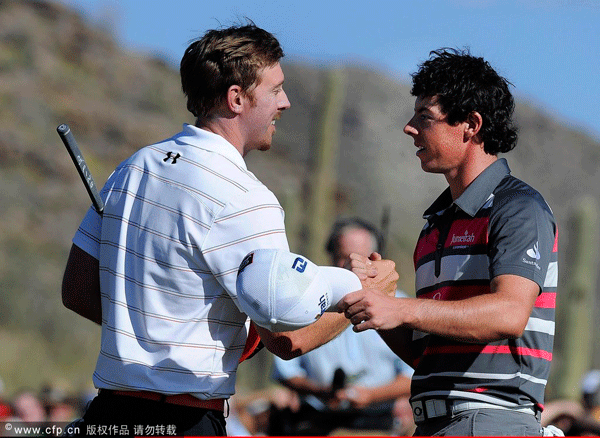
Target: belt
{"x":436,"y":408}
{"x":217,"y":404}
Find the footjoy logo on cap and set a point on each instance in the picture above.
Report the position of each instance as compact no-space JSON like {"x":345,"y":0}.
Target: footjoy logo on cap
{"x":323,"y":303}
{"x":299,"y":264}
{"x":247,"y":260}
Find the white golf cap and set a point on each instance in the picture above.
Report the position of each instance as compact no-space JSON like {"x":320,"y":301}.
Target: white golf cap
{"x":282,"y":291}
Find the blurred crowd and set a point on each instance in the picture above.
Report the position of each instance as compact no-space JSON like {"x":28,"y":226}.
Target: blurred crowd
{"x":259,"y":413}
{"x":577,"y":417}
{"x":252,"y":414}
{"x":47,"y":404}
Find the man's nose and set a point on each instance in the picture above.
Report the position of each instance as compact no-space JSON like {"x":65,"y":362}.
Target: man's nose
{"x":285,"y":103}
{"x":409,"y":129}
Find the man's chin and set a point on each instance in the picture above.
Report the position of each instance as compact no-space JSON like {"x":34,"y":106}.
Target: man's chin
{"x":430,"y":168}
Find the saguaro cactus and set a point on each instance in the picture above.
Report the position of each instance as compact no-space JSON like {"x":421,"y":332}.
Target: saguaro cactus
{"x":324,"y":177}
{"x":575,"y":304}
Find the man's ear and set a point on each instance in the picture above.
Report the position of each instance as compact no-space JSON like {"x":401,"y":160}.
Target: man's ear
{"x":474,"y":122}
{"x":235,"y":99}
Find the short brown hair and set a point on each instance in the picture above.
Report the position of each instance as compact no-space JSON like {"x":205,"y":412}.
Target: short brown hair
{"x":222,"y":58}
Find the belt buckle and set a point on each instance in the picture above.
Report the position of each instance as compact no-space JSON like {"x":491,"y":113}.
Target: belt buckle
{"x":435,"y":408}
{"x":418,"y":411}
{"x":428,"y":409}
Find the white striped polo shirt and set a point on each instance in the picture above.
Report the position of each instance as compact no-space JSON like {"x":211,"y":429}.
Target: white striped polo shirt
{"x":179,"y":217}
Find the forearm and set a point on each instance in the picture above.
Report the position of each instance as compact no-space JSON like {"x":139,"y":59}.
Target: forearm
{"x":81,"y":285}
{"x":458,"y":320}
{"x":305,"y":386}
{"x":399,"y":387}
{"x":501,"y":314}
{"x":361,"y":397}
{"x":288,"y":345}
{"x":399,"y":340}
{"x":477,"y":319}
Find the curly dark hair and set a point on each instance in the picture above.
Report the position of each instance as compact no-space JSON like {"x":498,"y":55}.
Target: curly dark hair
{"x":464,"y":83}
{"x":225,"y":57}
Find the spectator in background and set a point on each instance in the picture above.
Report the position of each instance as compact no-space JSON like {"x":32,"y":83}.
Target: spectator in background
{"x":5,"y":408}
{"x":28,"y":406}
{"x":590,"y":394}
{"x":250,"y":414}
{"x":577,"y":417}
{"x":353,"y":381}
{"x":58,"y":405}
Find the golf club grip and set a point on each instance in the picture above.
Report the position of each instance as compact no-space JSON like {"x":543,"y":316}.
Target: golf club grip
{"x":67,"y":137}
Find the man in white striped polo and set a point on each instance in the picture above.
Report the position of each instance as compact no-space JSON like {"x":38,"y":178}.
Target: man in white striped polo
{"x":480,"y":332}
{"x":158,"y":269}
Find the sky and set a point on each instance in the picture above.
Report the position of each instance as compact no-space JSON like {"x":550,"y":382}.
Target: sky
{"x":548,"y":49}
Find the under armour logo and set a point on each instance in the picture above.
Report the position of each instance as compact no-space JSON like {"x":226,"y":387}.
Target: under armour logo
{"x":171,"y":156}
{"x":299,"y":264}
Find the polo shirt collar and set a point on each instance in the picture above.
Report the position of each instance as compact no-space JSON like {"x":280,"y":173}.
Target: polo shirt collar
{"x":478,"y":192}
{"x":212,"y":142}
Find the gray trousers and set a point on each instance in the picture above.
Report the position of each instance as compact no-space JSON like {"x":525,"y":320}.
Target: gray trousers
{"x":482,"y":422}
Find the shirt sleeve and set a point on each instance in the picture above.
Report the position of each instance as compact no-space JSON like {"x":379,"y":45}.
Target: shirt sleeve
{"x":403,"y":369}
{"x":521,"y":237}
{"x":87,"y":236}
{"x":253,"y":221}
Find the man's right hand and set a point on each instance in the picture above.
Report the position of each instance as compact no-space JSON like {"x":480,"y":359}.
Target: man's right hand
{"x":373,"y":309}
{"x":375,"y":273}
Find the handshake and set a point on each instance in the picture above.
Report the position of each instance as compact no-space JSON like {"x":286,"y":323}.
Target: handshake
{"x":375,"y":273}
{"x":282,"y":291}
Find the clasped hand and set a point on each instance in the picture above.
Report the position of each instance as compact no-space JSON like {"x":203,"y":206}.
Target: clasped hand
{"x":373,"y":306}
